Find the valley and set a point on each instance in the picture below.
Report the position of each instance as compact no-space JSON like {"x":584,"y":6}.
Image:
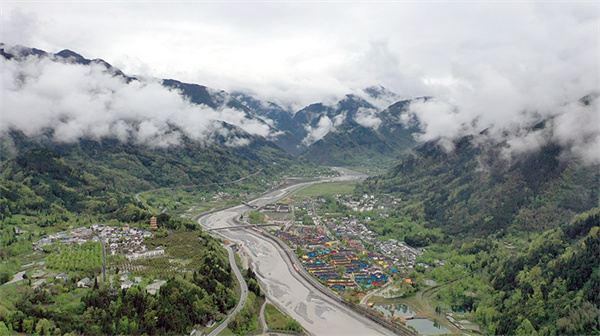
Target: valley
{"x":155,"y":206}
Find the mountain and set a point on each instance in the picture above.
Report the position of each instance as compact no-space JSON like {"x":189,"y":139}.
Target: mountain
{"x":370,"y":127}
{"x":476,"y":190}
{"x":344,"y":110}
{"x":280,"y":118}
{"x":111,"y":128}
{"x":313,"y":130}
{"x":367,"y":137}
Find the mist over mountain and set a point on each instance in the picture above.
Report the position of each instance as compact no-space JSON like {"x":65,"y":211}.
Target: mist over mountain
{"x":476,"y":190}
{"x":77,"y":99}
{"x":96,"y":100}
{"x":369,"y":137}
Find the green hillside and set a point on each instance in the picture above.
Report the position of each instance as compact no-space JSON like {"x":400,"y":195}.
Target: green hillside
{"x":356,"y":145}
{"x":476,"y":191}
{"x":519,"y":238}
{"x":48,"y":187}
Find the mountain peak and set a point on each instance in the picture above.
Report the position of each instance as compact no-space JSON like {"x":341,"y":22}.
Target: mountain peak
{"x":378,"y":91}
{"x":66,"y":53}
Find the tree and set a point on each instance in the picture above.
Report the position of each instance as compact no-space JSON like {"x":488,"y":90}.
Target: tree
{"x":3,"y":329}
{"x":44,"y":327}
{"x":28,"y":326}
{"x":526,"y":328}
{"x":256,"y":217}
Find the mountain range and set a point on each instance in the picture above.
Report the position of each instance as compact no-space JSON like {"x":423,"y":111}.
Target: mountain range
{"x":363,"y":126}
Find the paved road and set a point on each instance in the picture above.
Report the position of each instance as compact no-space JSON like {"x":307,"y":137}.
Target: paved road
{"x":318,"y":314}
{"x":263,"y":319}
{"x":243,"y":297}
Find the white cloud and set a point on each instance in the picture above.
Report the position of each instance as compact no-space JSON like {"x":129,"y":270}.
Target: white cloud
{"x":79,"y":101}
{"x":501,"y":66}
{"x":315,"y":134}
{"x":367,"y":118}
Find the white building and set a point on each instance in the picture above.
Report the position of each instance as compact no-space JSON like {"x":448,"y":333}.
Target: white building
{"x":145,"y":254}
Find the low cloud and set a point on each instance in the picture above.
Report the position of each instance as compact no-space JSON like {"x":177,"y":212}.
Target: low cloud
{"x":324,"y":126}
{"x":368,"y":118}
{"x":77,"y":101}
{"x":315,"y":134}
{"x":521,"y":128}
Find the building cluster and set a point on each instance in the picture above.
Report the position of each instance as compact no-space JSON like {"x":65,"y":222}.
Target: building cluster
{"x":127,"y":241}
{"x":307,"y":237}
{"x":343,"y":253}
{"x":342,"y":269}
{"x":390,"y":253}
{"x":369,"y":202}
{"x":278,"y":207}
{"x":365,"y":203}
{"x":75,"y":236}
{"x":398,"y":254}
{"x":221,"y":195}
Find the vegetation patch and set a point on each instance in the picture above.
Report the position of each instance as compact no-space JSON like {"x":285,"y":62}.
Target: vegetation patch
{"x":276,"y":320}
{"x":321,"y":189}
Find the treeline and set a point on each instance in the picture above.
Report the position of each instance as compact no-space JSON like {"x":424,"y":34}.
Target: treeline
{"x":550,"y":288}
{"x":131,"y":168}
{"x":39,"y":182}
{"x":179,"y":305}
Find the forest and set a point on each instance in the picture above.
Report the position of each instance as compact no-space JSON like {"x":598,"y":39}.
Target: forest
{"x":520,"y":239}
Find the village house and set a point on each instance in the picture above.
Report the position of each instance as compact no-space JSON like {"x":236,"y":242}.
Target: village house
{"x":85,"y":282}
{"x":154,"y":287}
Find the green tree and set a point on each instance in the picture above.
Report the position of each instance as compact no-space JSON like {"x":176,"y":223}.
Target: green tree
{"x":28,"y":326}
{"x":526,"y":329}
{"x":256,"y":217}
{"x":3,"y":329}
{"x":44,"y":327}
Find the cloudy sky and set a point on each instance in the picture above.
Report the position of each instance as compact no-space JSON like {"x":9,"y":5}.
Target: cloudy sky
{"x":518,"y":59}
{"x":308,"y":51}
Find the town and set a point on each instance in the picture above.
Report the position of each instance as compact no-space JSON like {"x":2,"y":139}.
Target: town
{"x":338,"y":249}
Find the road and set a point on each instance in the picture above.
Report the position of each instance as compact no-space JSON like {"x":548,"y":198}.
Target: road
{"x":263,"y":319}
{"x":318,"y":313}
{"x":243,"y":296}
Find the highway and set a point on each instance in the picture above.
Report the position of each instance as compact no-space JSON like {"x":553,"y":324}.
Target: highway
{"x":243,"y":297}
{"x":318,"y":313}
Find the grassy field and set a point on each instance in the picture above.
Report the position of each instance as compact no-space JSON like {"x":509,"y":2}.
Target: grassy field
{"x":370,"y":170}
{"x":276,"y":320}
{"x":320,"y":189}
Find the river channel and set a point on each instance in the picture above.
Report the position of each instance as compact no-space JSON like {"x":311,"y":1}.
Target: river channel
{"x":317,"y":313}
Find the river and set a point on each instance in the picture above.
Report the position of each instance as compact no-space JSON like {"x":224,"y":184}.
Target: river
{"x":317,"y":313}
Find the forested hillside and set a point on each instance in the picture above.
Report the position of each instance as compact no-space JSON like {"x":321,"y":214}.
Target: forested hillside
{"x":46,"y":189}
{"x":519,"y":234}
{"x":475,"y":190}
{"x":551,"y":287}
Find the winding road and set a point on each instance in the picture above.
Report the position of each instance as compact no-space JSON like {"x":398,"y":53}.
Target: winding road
{"x":318,"y":313}
{"x":243,"y":296}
